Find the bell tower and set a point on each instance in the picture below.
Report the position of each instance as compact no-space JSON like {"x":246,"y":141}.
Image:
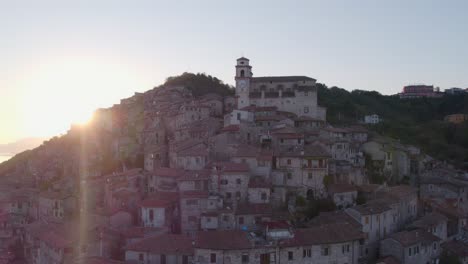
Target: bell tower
{"x":243,"y":75}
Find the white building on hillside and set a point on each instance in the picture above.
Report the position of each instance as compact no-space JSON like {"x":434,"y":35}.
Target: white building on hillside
{"x":295,"y":94}
{"x":372,"y":119}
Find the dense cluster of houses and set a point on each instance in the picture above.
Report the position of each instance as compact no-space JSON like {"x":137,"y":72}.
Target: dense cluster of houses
{"x":220,"y":183}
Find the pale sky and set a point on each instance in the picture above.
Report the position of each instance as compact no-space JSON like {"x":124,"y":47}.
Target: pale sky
{"x":61,"y":60}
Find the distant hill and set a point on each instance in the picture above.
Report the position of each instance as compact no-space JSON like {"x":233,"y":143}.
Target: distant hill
{"x":413,"y":121}
{"x":20,"y":145}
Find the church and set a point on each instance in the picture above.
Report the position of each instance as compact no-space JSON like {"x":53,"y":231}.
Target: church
{"x":295,"y":94}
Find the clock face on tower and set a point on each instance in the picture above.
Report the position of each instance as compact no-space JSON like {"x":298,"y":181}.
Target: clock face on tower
{"x":242,"y":83}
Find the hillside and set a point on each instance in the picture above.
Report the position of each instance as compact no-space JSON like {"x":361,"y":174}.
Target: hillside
{"x":416,"y":121}
{"x":200,"y":84}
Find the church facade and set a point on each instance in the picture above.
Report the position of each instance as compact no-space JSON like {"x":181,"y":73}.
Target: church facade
{"x":295,"y":94}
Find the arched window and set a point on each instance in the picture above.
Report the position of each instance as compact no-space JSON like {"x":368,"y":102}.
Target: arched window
{"x":242,"y":73}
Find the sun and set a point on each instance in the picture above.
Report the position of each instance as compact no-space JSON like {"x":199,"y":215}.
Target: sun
{"x":62,"y":93}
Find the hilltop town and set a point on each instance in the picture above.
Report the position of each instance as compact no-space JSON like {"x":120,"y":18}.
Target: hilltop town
{"x":256,"y":174}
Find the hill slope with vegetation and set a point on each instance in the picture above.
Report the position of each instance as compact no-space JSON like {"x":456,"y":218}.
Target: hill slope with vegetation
{"x":413,"y":121}
{"x":200,"y":84}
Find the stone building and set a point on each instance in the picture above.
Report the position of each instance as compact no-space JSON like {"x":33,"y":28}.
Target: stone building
{"x":295,"y":94}
{"x":378,"y":220}
{"x":161,"y":249}
{"x":408,"y":247}
{"x":303,"y":170}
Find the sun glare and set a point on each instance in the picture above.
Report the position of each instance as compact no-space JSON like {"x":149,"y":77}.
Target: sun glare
{"x":64,"y":93}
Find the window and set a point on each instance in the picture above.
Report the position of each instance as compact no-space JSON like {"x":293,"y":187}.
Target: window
{"x":192,"y":219}
{"x":239,"y":181}
{"x":228,"y":195}
{"x":307,"y":253}
{"x":238,"y":116}
{"x":241,"y":220}
{"x":151,"y":215}
{"x":409,"y":252}
{"x":238,"y":195}
{"x":309,"y":175}
{"x":325,"y":251}
{"x":434,"y":246}
{"x":191,"y":202}
{"x":223,"y":182}
{"x":163,"y":259}
{"x":245,"y":258}
{"x":289,"y":162}
{"x":306,"y":109}
{"x":242,"y":73}
{"x":289,"y":175}
{"x":290,"y":255}
{"x":141,"y":257}
{"x":184,"y":259}
{"x":264,"y":196}
{"x":306,"y":93}
{"x":225,"y":218}
{"x":213,"y":258}
{"x":367,"y":220}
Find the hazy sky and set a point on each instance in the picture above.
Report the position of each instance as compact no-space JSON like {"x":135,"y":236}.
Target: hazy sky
{"x":60,"y":60}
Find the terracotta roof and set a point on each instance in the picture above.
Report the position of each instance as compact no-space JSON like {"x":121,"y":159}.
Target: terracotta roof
{"x":315,"y":150}
{"x":195,"y":175}
{"x":367,"y":188}
{"x":194,"y":151}
{"x":230,"y":128}
{"x":194,"y":194}
{"x":325,"y":218}
{"x":219,"y":240}
{"x":336,"y":129}
{"x":409,"y":238}
{"x":372,"y":207}
{"x":458,"y":248}
{"x":247,"y":151}
{"x":430,"y":220}
{"x":138,"y":232}
{"x":168,"y":172}
{"x":289,"y":135}
{"x":254,"y":209}
{"x":169,"y":244}
{"x":402,"y":191}
{"x":281,"y":79}
{"x":341,"y":188}
{"x":324,"y":234}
